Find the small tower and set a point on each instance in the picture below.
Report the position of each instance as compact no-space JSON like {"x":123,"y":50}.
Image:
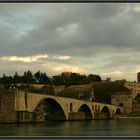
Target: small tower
{"x":138,"y":77}
{"x":92,"y":97}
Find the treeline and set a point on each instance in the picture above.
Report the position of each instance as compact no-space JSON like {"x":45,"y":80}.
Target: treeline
{"x":69,"y":78}
{"x":27,"y":77}
{"x":65,"y":78}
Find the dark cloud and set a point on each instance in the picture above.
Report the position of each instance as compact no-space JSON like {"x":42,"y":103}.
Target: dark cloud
{"x":83,"y":31}
{"x":92,"y":20}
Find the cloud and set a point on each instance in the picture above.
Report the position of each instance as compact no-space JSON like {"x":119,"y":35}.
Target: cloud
{"x":87,"y":38}
{"x":62,"y":57}
{"x":24,"y":59}
{"x":67,"y":68}
{"x":118,"y":73}
{"x":57,"y":68}
{"x":114,"y":75}
{"x":61,"y":32}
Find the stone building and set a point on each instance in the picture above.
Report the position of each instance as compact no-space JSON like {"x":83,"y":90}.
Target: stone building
{"x":123,"y":99}
{"x":136,"y":104}
{"x":133,"y":87}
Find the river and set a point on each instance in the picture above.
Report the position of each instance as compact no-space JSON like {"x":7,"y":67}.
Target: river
{"x":118,"y":127}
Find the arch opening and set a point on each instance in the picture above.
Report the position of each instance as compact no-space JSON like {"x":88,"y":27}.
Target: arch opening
{"x":106,"y":113}
{"x":50,"y":109}
{"x":118,"y":111}
{"x":84,"y":108}
{"x":71,"y":107}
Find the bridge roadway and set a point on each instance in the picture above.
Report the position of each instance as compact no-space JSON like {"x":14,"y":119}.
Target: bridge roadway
{"x":70,"y":109}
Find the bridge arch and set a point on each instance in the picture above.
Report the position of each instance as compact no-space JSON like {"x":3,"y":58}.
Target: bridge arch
{"x":118,"y":111}
{"x":52,"y":109}
{"x":106,"y":112}
{"x":85,"y":108}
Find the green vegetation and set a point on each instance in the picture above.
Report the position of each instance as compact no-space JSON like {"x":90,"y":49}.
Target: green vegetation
{"x":102,"y":91}
{"x":65,"y":78}
{"x":75,"y":85}
{"x":76,"y":92}
{"x":69,"y":79}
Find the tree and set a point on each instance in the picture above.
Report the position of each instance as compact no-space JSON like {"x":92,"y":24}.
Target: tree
{"x":57,"y":80}
{"x":16,"y":78}
{"x":6,"y":80}
{"x":94,"y":78}
{"x":71,"y":78}
{"x":44,"y":78}
{"x":28,"y":77}
{"x":37,"y":76}
{"x":104,"y":90}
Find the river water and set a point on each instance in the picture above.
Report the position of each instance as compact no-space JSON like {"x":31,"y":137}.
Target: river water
{"x":118,"y":127}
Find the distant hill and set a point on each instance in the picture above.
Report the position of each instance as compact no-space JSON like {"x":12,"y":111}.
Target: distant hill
{"x":102,"y":91}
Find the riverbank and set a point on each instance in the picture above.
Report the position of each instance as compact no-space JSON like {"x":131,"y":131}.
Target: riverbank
{"x":129,"y":116}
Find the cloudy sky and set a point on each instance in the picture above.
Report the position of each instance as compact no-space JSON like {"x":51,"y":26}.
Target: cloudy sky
{"x":87,"y":38}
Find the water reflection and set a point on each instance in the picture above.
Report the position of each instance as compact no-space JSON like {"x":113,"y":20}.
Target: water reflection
{"x":122,"y":127}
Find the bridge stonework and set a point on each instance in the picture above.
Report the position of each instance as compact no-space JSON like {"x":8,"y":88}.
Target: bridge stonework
{"x":24,"y":107}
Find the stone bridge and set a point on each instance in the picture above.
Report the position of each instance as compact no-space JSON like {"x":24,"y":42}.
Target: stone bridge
{"x":37,"y":107}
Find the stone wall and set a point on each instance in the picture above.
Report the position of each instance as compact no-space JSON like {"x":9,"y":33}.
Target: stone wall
{"x":101,"y":115}
{"x":76,"y":116}
{"x":124,"y":101}
{"x":136,"y":106}
{"x":133,"y":87}
{"x":7,"y":106}
{"x":25,"y":116}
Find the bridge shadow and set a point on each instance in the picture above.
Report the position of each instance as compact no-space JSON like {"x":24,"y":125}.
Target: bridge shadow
{"x":105,"y":113}
{"x":118,"y":111}
{"x":84,"y":108}
{"x":51,"y":110}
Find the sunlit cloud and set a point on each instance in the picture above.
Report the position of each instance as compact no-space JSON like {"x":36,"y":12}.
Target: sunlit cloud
{"x":115,"y":74}
{"x":137,"y":69}
{"x":58,"y":68}
{"x":62,"y":57}
{"x":67,"y":68}
{"x":24,"y":59}
{"x":137,"y":8}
